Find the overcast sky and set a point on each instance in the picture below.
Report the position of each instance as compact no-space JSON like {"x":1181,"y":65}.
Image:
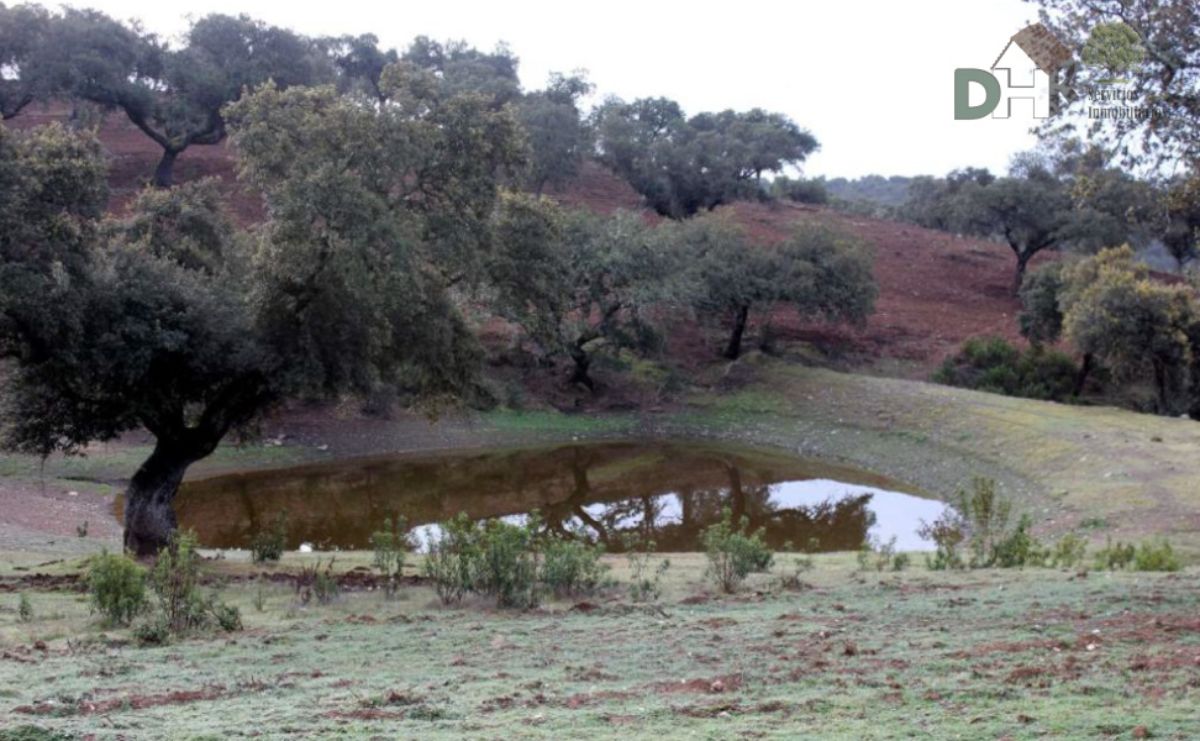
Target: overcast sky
{"x":872,"y":79}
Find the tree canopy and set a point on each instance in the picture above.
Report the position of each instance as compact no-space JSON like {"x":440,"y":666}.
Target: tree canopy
{"x":685,"y":165}
{"x":818,"y":272}
{"x":175,"y":321}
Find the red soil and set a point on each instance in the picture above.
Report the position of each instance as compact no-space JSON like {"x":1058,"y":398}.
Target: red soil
{"x":936,"y":289}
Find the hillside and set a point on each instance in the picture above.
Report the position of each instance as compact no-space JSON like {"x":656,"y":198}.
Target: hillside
{"x":936,"y":289}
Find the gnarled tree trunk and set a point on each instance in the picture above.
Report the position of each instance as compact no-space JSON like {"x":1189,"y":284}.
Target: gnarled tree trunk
{"x":149,"y":515}
{"x":164,"y":174}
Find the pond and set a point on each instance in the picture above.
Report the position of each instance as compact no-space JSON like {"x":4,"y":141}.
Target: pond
{"x":667,"y":492}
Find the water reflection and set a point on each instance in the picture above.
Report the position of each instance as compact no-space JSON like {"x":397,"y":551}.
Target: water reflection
{"x":665,"y":492}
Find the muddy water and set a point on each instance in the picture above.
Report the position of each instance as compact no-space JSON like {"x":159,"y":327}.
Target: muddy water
{"x":667,"y":492}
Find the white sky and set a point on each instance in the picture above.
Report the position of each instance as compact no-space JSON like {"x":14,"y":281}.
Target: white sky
{"x":872,"y":79}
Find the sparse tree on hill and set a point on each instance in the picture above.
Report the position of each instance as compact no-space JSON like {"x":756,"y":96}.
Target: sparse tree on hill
{"x":818,"y":272}
{"x":175,"y":322}
{"x":682,"y":166}
{"x":176,"y":96}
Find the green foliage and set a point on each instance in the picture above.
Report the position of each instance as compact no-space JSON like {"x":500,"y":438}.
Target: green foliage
{"x":1114,"y":556}
{"x":992,"y":364}
{"x":576,"y":283}
{"x":1019,"y":549}
{"x":175,"y":580}
{"x":1113,"y":46}
{"x":819,"y":272}
{"x":450,"y":560}
{"x":558,"y":137}
{"x":1069,"y":551}
{"x":685,"y":165}
{"x":24,"y":608}
{"x":644,"y":583}
{"x":979,"y":522}
{"x":1151,"y":555}
{"x":390,"y":546}
{"x":571,"y":566}
{"x":507,"y":566}
{"x":881,"y":556}
{"x":117,"y":585}
{"x":1134,"y":325}
{"x":1041,"y":316}
{"x":268,"y":545}
{"x":315,"y":582}
{"x":734,"y":552}
{"x":800,"y":190}
{"x":1156,"y":556}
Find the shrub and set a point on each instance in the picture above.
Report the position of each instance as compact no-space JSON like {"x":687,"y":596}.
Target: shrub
{"x":313,"y":581}
{"x":733,"y":553}
{"x":1113,"y":557}
{"x":450,"y":560}
{"x":24,"y":609}
{"x":993,"y":364}
{"x":175,"y":580}
{"x":1069,"y":551}
{"x":1019,"y":549}
{"x":572,"y":566}
{"x":118,"y":588}
{"x":947,"y":533}
{"x":800,"y":190}
{"x":507,"y":566}
{"x":878,"y":555}
{"x":268,"y":545}
{"x":644,"y":585}
{"x":391,"y":548}
{"x":1156,"y":556}
{"x":986,"y":515}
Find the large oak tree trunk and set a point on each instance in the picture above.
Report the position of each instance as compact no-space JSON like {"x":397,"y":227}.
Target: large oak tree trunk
{"x":149,"y":516}
{"x":1019,"y":275}
{"x":164,"y":174}
{"x":734,"y":348}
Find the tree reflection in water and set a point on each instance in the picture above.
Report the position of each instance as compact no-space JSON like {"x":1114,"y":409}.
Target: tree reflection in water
{"x":666,"y":492}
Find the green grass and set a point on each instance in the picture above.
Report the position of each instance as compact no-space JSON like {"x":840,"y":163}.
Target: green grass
{"x":983,"y":654}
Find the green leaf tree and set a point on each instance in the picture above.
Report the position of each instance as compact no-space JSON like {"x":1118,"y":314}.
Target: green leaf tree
{"x":176,"y":322}
{"x":818,"y":272}
{"x":576,"y":283}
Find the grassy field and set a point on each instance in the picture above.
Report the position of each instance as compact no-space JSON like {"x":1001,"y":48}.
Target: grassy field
{"x":850,"y":654}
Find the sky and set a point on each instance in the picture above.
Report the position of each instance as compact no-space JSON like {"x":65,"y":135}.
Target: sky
{"x":872,"y":79}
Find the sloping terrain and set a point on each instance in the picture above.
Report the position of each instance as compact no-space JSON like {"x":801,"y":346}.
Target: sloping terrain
{"x":936,"y":289}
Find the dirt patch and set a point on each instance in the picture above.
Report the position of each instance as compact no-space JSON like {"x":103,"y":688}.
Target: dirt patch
{"x":713,"y":686}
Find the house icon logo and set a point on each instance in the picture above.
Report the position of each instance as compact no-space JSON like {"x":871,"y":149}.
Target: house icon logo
{"x":1027,"y":69}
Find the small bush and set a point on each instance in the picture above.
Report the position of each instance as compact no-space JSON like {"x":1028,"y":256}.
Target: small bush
{"x":1069,"y":551}
{"x":117,"y":585}
{"x":1156,"y":556}
{"x":733,"y":553}
{"x":450,"y":560}
{"x":881,"y":556}
{"x":1019,"y":549}
{"x":995,"y":365}
{"x":268,"y":545}
{"x":391,"y":548}
{"x":572,"y":566}
{"x":800,"y":190}
{"x":175,"y":580}
{"x":313,"y":582}
{"x":947,"y":532}
{"x":507,"y":565}
{"x":644,"y":585}
{"x":153,"y":632}
{"x":1113,"y":557}
{"x":24,"y":609}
